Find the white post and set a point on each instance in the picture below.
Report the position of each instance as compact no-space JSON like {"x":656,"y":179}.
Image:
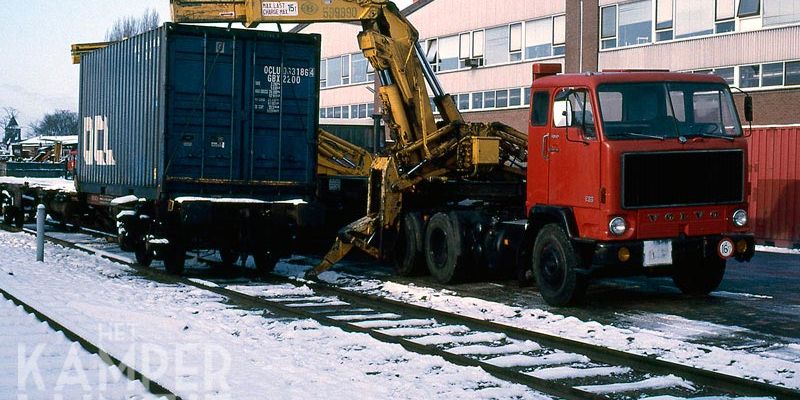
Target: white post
{"x":40,"y":213}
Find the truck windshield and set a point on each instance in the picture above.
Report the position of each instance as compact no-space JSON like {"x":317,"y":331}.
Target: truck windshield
{"x":667,"y":109}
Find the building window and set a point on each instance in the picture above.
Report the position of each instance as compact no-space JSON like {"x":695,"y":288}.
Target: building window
{"x":772,"y":74}
{"x":514,"y":97}
{"x":448,"y":53}
{"x":515,"y":42}
{"x":559,"y":35}
{"x":725,"y":73}
{"x":370,"y":109}
{"x":693,"y":18}
{"x":358,"y":64}
{"x":323,"y":71}
{"x":477,"y":44}
{"x":780,"y":12}
{"x":626,"y":24}
{"x":527,"y":97}
{"x":724,"y":14}
{"x":792,"y":73}
{"x":635,"y":23}
{"x":501,"y":99}
{"x":497,"y":41}
{"x":432,"y":53}
{"x":464,"y":47}
{"x":334,"y":72}
{"x":488,"y":99}
{"x":541,"y":108}
{"x":608,"y":27}
{"x":477,"y":101}
{"x":539,"y":38}
{"x":749,"y":76}
{"x":345,"y":69}
{"x":748,"y":8}
{"x":463,"y":101}
{"x":664,"y":13}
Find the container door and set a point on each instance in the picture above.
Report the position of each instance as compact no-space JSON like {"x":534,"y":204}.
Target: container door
{"x":204,"y":126}
{"x":283,"y":113}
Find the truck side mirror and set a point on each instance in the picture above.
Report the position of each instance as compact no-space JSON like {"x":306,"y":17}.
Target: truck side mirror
{"x":562,"y":113}
{"x":748,"y":108}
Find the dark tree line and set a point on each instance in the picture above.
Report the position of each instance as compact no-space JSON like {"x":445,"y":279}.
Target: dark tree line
{"x":58,"y":123}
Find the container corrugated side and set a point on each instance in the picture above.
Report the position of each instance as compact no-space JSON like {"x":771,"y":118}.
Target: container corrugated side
{"x":774,"y":159}
{"x":120,"y":143}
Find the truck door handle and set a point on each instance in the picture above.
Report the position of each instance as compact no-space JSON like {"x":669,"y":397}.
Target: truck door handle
{"x":545,"y":150}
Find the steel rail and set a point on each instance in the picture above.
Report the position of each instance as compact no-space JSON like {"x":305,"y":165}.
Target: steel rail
{"x":131,"y":373}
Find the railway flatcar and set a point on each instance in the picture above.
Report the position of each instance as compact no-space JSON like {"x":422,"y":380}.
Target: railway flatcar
{"x":196,"y":138}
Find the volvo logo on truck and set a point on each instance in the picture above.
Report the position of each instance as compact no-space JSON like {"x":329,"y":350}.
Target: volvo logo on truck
{"x":96,"y":149}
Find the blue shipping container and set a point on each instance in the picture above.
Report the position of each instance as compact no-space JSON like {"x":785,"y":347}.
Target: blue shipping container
{"x":190,"y":110}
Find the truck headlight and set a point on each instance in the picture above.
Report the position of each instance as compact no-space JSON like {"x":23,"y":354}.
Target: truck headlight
{"x":617,"y":226}
{"x":740,"y":218}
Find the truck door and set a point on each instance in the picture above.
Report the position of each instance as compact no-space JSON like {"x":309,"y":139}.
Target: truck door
{"x":573,"y":151}
{"x":538,"y":156}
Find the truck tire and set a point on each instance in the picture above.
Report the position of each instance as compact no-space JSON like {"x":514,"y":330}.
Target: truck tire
{"x":555,"y":266}
{"x":144,"y":257}
{"x":174,"y":258}
{"x":699,"y":278}
{"x":443,"y":248}
{"x":265,"y":262}
{"x":125,"y":239}
{"x":408,"y":260}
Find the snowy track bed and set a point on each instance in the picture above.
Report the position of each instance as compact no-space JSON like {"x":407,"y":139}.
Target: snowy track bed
{"x":557,"y":367}
{"x":41,"y":359}
{"x":201,"y":345}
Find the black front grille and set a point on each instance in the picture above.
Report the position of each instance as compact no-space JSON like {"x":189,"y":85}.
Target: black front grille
{"x":682,"y":178}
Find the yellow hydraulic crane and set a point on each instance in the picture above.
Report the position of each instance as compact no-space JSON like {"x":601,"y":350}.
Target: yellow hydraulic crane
{"x":423,"y":149}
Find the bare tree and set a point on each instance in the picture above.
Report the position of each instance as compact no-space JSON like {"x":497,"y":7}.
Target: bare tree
{"x":58,"y":123}
{"x":130,"y":26}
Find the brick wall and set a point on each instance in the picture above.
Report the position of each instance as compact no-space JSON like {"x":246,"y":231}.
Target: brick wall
{"x":775,"y":107}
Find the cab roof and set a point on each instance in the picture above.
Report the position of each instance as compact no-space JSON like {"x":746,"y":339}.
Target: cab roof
{"x":593,"y":79}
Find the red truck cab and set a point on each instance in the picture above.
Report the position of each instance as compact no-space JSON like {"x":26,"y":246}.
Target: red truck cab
{"x":634,"y":173}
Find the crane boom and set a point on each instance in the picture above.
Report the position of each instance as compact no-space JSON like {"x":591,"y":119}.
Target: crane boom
{"x":423,"y":149}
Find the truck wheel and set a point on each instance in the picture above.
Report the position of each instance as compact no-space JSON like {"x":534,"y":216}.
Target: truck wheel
{"x":144,"y":257}
{"x":443,"y":248}
{"x":699,"y":278}
{"x":265,"y":262}
{"x":555,"y":263}
{"x":174,"y":259}
{"x":408,"y":259}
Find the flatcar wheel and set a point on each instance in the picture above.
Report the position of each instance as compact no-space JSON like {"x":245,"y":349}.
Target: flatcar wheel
{"x":265,"y":262}
{"x":19,"y":218}
{"x":228,"y":257}
{"x":144,"y":257}
{"x":175,"y":259}
{"x":8,"y":217}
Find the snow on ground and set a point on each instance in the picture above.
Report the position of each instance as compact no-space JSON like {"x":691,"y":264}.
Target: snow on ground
{"x":46,"y":183}
{"x":667,"y":344}
{"x":193,"y":343}
{"x":38,"y":362}
{"x":781,"y":250}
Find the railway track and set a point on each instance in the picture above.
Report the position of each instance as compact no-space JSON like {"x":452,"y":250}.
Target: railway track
{"x":32,"y":333}
{"x":553,"y":365}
